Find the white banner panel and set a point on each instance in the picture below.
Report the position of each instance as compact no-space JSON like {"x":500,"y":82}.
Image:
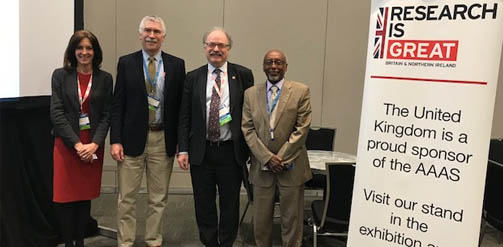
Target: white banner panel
{"x":430,"y":85}
{"x":45,"y":29}
{"x":35,"y":35}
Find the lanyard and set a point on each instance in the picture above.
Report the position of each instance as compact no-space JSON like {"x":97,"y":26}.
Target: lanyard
{"x":274,"y":102}
{"x":220,"y":90}
{"x":153,"y":83}
{"x":88,"y":90}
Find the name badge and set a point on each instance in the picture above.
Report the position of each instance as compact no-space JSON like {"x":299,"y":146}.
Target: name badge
{"x":224,"y":115}
{"x":153,"y":102}
{"x":84,"y":123}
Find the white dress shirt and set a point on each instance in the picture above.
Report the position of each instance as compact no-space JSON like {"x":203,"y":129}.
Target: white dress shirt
{"x":225,"y":131}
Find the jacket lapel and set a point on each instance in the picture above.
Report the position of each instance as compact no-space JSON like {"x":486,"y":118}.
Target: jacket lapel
{"x":72,"y":83}
{"x":139,"y":71}
{"x":261,"y":101}
{"x":165,"y":62}
{"x":234,"y":85}
{"x":203,"y":78}
{"x":286,"y":90}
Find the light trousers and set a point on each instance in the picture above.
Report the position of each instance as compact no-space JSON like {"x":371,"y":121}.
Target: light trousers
{"x":291,"y":204}
{"x":158,"y":167}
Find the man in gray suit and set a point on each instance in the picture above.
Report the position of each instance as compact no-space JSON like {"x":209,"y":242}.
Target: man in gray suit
{"x":276,"y":120}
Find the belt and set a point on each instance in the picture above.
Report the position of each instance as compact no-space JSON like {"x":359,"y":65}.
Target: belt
{"x":218,"y":143}
{"x":156,"y":127}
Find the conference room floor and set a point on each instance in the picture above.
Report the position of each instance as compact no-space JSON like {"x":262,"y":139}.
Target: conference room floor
{"x":180,"y":227}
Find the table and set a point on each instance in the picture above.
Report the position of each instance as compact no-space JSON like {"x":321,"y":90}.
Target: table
{"x":318,"y":158}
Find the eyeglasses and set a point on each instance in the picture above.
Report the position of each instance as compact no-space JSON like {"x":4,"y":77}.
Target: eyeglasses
{"x":275,"y":62}
{"x":219,"y":45}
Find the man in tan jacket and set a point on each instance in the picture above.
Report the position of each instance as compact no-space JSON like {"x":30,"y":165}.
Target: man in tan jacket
{"x":276,"y":120}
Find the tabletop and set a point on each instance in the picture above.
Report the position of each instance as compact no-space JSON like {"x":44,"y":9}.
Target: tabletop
{"x":318,"y":158}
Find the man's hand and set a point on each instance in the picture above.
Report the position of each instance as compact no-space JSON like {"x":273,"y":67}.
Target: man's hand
{"x":275,"y":160}
{"x":183,"y":161}
{"x":117,"y":152}
{"x":275,"y":164}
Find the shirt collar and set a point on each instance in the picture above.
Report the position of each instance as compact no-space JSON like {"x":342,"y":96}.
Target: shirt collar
{"x":223,"y":68}
{"x":156,"y":56}
{"x":278,"y":84}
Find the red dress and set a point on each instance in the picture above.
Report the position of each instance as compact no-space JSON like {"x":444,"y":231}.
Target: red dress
{"x":74,"y":179}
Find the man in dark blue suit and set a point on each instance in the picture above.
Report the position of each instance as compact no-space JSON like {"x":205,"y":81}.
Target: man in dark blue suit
{"x":210,"y":138}
{"x":144,"y":123}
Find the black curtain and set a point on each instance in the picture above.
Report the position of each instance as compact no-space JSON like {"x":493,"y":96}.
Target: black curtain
{"x":27,"y":213}
{"x":493,"y":197}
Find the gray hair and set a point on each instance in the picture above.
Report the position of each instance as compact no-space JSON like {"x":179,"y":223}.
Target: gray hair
{"x":278,"y":51}
{"x":152,"y":18}
{"x":205,"y":36}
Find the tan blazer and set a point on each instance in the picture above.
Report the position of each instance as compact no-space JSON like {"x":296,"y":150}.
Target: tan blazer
{"x":293,"y":118}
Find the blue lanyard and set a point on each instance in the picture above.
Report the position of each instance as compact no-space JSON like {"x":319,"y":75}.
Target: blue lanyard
{"x":274,"y":102}
{"x":153,"y":83}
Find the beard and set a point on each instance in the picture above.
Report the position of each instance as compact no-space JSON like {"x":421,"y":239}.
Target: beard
{"x":274,"y":78}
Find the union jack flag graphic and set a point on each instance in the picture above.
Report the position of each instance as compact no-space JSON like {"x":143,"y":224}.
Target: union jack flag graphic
{"x":380,"y":37}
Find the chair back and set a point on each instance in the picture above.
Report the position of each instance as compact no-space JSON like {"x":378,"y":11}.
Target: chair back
{"x":493,"y":199}
{"x":320,"y":139}
{"x":340,"y":178}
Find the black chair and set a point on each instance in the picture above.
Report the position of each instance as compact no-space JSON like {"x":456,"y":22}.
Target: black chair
{"x":249,"y":193}
{"x":493,"y":196}
{"x":331,"y":215}
{"x":319,"y":139}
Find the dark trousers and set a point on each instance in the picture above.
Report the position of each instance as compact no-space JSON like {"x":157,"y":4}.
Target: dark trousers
{"x":73,"y":218}
{"x":219,"y":169}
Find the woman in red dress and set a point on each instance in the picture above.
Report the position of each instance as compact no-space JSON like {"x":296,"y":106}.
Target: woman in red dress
{"x":80,"y":103}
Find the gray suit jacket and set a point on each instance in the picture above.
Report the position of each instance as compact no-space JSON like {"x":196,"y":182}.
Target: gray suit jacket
{"x":291,"y":127}
{"x":65,"y":107}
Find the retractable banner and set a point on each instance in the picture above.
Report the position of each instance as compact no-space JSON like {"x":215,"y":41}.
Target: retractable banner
{"x":430,"y":86}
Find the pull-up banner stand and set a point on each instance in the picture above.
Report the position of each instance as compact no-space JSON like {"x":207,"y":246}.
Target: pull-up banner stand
{"x":430,"y":86}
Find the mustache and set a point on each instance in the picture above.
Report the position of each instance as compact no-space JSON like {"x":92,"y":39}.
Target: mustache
{"x":215,"y":53}
{"x":150,"y":39}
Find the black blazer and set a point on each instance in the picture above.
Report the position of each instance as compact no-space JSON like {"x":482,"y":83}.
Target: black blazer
{"x":192,"y":126}
{"x":65,"y":107}
{"x":129,"y":114}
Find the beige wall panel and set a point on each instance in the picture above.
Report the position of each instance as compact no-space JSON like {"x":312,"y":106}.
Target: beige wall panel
{"x":347,"y":35}
{"x":297,"y":27}
{"x":116,"y":25}
{"x":99,"y":18}
{"x":497,"y":130}
{"x":186,"y":22}
{"x":108,"y":178}
{"x":325,"y":42}
{"x":180,"y":179}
